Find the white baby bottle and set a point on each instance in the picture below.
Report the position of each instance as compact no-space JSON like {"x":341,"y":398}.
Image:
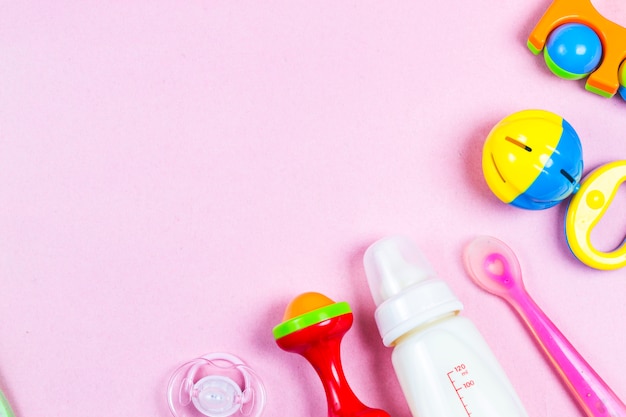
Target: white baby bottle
{"x":443,"y":364}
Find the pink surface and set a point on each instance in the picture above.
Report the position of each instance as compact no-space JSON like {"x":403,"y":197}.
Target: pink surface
{"x":173,"y":173}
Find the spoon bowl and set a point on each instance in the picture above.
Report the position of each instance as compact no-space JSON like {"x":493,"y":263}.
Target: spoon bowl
{"x":493,"y":266}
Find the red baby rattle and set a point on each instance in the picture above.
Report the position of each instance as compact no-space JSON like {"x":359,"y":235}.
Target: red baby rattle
{"x":313,"y":326}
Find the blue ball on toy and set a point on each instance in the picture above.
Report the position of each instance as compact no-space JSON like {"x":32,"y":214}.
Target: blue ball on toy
{"x":573,"y":51}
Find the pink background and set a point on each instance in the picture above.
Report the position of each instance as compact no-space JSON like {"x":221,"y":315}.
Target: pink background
{"x":173,"y":173}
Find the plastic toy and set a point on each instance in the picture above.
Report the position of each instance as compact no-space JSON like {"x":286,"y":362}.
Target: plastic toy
{"x":532,"y":159}
{"x":313,"y":326}
{"x":215,"y":385}
{"x":622,"y":80}
{"x":494,"y":267}
{"x":579,"y":45}
{"x":573,"y":51}
{"x":587,"y":208}
{"x":5,"y":408}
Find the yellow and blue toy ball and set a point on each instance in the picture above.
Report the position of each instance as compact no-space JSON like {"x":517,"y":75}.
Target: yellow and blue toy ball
{"x":573,"y":51}
{"x":532,"y":159}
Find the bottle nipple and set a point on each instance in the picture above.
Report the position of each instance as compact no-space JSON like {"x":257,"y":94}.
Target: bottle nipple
{"x":405,"y":288}
{"x":393,"y":264}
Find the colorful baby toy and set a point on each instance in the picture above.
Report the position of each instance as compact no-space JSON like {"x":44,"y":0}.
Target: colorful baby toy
{"x":5,"y":408}
{"x":313,"y":326}
{"x":532,"y":159}
{"x":578,"y":42}
{"x":585,"y":211}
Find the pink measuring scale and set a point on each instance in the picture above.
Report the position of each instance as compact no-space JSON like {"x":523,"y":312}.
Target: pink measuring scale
{"x":494,"y":267}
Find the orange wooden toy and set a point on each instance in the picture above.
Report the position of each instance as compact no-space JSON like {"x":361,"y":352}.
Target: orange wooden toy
{"x":610,"y":75}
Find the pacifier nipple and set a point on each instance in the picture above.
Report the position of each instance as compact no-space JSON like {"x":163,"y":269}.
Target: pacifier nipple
{"x":216,"y":396}
{"x":216,"y":385}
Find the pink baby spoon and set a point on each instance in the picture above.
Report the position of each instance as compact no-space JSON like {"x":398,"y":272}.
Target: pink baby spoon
{"x":494,"y":267}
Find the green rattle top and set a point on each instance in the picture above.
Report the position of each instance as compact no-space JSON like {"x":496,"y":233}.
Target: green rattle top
{"x":306,"y":310}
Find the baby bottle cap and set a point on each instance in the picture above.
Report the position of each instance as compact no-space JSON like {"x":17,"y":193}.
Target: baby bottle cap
{"x":405,"y":288}
{"x":215,"y":385}
{"x":306,"y":310}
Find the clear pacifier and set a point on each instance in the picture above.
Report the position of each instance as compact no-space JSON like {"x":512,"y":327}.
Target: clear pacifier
{"x":215,"y":385}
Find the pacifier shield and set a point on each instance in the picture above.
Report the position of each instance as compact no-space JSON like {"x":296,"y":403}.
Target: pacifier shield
{"x":215,"y":385}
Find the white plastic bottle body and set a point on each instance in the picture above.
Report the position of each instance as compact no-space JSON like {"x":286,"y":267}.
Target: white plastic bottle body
{"x":446,"y":369}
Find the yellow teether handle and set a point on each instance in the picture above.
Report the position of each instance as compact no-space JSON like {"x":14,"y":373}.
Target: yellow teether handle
{"x":586,"y":209}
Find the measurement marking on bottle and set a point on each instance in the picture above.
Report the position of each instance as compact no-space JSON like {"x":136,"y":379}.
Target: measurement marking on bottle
{"x":462,"y":371}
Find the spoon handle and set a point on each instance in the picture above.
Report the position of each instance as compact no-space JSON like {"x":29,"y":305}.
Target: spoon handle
{"x":591,"y":392}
